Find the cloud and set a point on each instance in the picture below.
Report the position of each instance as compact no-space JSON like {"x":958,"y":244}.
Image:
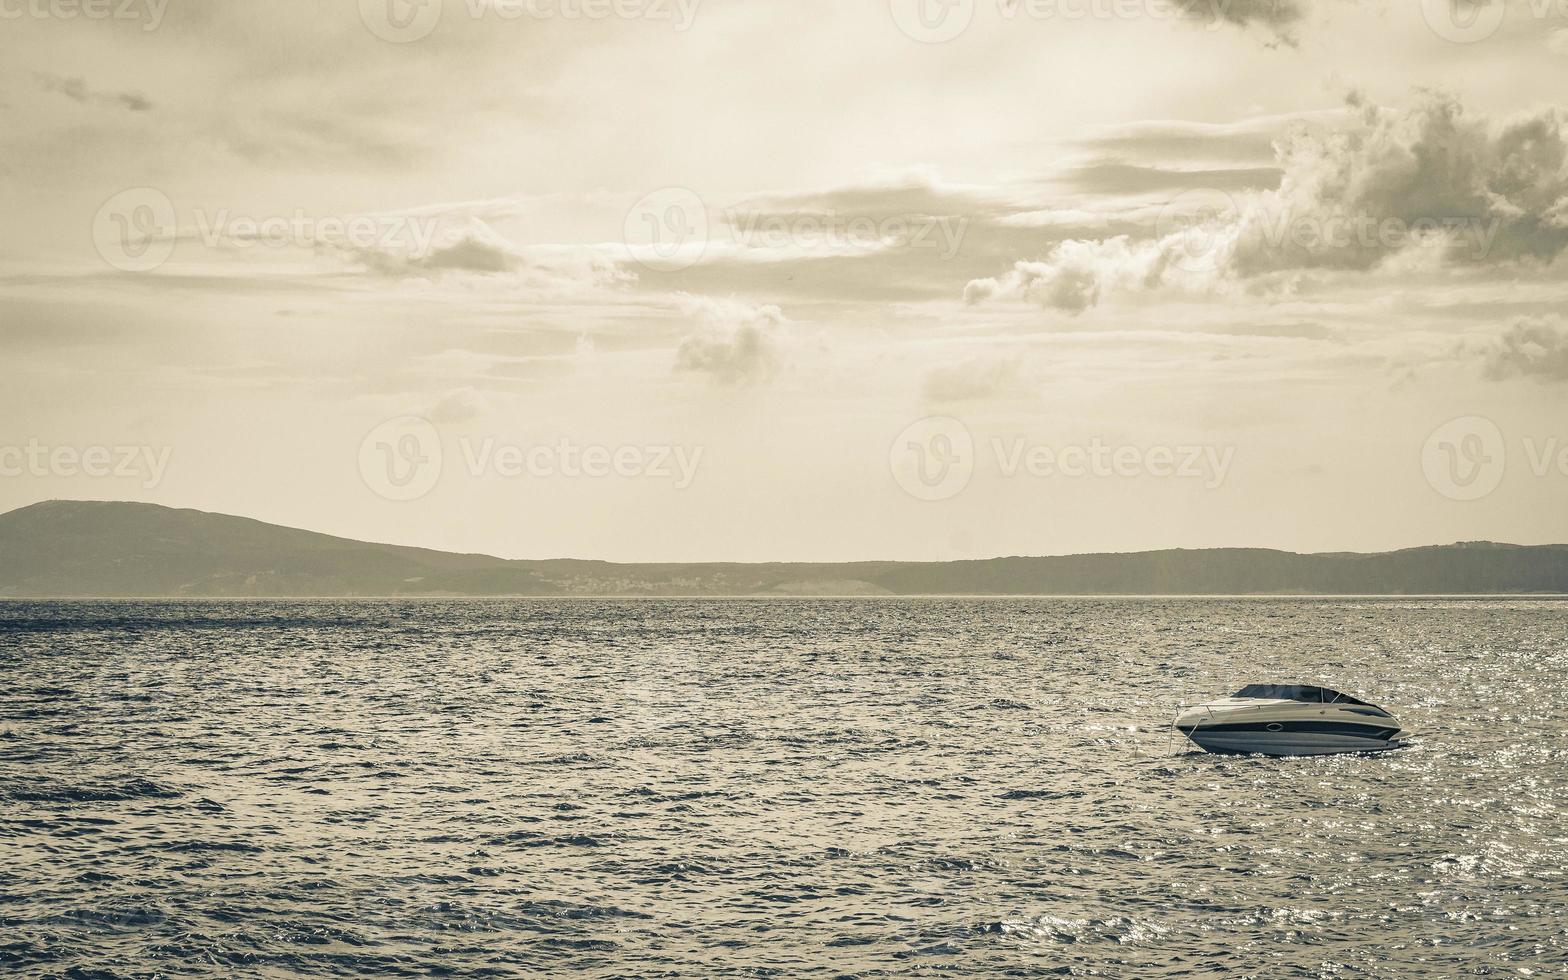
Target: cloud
{"x":907,"y":210}
{"x":1423,"y":180}
{"x":457,"y":407}
{"x":888,"y":237}
{"x":470,"y":254}
{"x":1246,"y":142}
{"x":413,"y":250}
{"x":1428,"y":162}
{"x":1277,"y":17}
{"x":974,"y":379}
{"x":1115,"y":177}
{"x":478,"y":250}
{"x":734,"y":343}
{"x":77,"y":90}
{"x":329,"y":133}
{"x":1070,"y":278}
{"x":1534,"y":347}
{"x":1075,"y":274}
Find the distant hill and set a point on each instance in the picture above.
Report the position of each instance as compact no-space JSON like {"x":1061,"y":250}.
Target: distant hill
{"x":75,"y":548}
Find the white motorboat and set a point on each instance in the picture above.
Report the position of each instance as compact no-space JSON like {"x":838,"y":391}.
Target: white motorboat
{"x":1289,"y":719}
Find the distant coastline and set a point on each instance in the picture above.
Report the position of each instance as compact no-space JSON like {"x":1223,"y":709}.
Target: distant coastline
{"x":97,"y":550}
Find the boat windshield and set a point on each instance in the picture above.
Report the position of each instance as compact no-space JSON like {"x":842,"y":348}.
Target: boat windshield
{"x":1295,"y":692}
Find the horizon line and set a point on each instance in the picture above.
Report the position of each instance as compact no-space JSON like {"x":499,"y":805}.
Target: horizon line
{"x":754,"y":562}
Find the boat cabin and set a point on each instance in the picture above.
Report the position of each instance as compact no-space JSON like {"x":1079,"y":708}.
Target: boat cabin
{"x":1295,"y":692}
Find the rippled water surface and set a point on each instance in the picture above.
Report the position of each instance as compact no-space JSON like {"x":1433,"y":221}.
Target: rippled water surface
{"x":771,"y":788}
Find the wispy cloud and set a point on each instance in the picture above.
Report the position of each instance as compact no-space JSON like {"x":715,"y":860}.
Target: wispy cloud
{"x":77,"y":90}
{"x":973,"y":379}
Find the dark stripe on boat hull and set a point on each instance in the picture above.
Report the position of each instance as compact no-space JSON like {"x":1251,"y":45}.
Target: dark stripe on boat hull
{"x":1382,"y":732}
{"x":1292,"y":737}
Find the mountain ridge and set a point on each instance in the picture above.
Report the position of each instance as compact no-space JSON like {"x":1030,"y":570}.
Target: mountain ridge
{"x":110,"y":549}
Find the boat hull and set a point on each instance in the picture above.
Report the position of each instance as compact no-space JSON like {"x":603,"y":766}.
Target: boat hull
{"x":1287,"y":743}
{"x":1282,"y":728}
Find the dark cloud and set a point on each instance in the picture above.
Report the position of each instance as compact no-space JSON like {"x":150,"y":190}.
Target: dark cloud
{"x":1507,"y":182}
{"x":1427,"y":178}
{"x":1278,"y":18}
{"x":1165,"y":142}
{"x":77,"y":90}
{"x":1534,"y":347}
{"x":480,"y":251}
{"x":469,"y":254}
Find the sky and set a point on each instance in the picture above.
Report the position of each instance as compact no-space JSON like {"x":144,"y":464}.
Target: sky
{"x":766,"y":280}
